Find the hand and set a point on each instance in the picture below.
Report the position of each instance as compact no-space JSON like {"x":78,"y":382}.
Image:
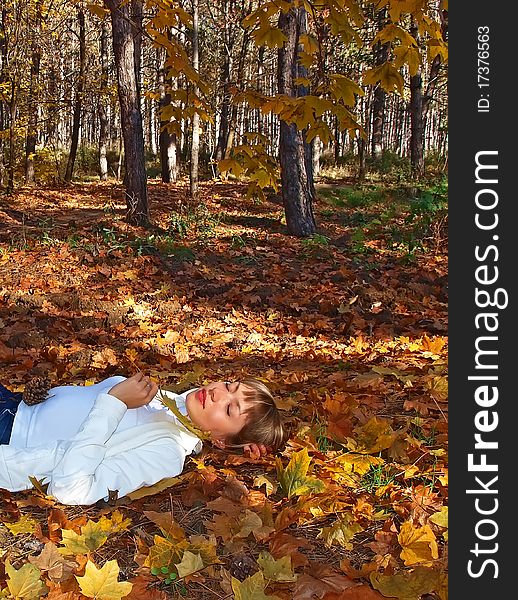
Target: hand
{"x":255,"y":450}
{"x":135,"y":391}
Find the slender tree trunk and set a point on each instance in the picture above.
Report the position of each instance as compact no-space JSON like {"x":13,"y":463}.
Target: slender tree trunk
{"x":78,"y":102}
{"x":13,"y":109}
{"x":381,"y":54}
{"x":131,"y":116}
{"x":195,"y":144}
{"x":167,"y":139}
{"x":298,"y":191}
{"x":103,"y":97}
{"x":32,"y":126}
{"x":416,"y":119}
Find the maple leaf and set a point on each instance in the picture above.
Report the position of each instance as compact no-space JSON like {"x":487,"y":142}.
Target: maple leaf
{"x":25,"y":524}
{"x":408,"y":585}
{"x":252,"y":588}
{"x":92,"y":537}
{"x":103,"y":583}
{"x":341,"y":532}
{"x":25,"y":583}
{"x":388,"y":76}
{"x":374,"y":436}
{"x":50,"y":560}
{"x":276,"y":569}
{"x":441,"y":518}
{"x":293,"y":479}
{"x":418,"y":543}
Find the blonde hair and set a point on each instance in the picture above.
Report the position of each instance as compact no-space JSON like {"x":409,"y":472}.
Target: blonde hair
{"x":263,"y":419}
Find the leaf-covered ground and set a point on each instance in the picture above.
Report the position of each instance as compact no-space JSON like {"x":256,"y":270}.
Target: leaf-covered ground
{"x":349,"y":330}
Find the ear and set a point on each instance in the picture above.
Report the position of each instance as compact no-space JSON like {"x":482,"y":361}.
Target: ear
{"x":219,"y":444}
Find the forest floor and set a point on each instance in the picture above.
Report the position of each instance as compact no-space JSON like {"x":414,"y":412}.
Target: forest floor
{"x":349,"y":330}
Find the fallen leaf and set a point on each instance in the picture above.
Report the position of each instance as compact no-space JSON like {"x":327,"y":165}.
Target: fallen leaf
{"x":103,"y":583}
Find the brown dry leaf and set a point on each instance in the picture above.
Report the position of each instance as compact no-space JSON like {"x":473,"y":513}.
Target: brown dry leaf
{"x":358,"y":592}
{"x":50,"y":560}
{"x":284,"y":544}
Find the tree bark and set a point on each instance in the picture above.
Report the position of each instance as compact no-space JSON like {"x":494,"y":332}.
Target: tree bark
{"x":32,"y":125}
{"x":78,"y":102}
{"x":416,"y":119}
{"x":295,"y":156}
{"x":381,"y":54}
{"x":103,"y":94}
{"x":167,"y":140}
{"x":195,"y":143}
{"x":137,"y":212}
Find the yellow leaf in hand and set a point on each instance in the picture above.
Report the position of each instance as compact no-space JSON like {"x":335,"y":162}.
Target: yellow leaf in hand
{"x":103,"y":583}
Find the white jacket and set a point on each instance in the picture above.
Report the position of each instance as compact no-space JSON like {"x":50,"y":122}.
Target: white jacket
{"x":102,"y":456}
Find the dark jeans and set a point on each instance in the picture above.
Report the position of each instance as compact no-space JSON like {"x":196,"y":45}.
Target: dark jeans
{"x":8,"y":406}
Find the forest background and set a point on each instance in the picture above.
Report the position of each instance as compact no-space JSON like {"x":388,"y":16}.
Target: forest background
{"x":212,"y":190}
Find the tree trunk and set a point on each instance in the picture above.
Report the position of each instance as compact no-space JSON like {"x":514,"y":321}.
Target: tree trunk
{"x":381,"y":54}
{"x":78,"y":102}
{"x":195,"y":144}
{"x":103,"y":95}
{"x":416,"y":119}
{"x":167,"y":140}
{"x":32,"y":125}
{"x":131,"y":117}
{"x":295,"y":156}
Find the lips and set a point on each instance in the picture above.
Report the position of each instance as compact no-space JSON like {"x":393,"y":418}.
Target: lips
{"x":202,"y":394}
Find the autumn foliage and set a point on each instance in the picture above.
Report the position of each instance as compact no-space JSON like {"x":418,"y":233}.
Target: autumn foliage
{"x":348,"y":331}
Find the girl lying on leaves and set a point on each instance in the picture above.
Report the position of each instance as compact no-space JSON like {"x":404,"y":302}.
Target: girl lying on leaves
{"x":118,"y":436}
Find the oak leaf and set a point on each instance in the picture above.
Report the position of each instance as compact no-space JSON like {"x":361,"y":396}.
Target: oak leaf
{"x":103,"y":583}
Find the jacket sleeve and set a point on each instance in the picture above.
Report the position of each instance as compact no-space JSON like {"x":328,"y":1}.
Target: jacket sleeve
{"x":85,"y":474}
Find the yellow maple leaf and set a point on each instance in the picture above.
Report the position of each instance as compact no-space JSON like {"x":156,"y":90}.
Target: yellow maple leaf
{"x":91,"y":538}
{"x":341,"y":532}
{"x":25,"y":583}
{"x":372,"y":437}
{"x":418,"y":543}
{"x":387,"y":75}
{"x":293,"y":479}
{"x":25,"y":524}
{"x":276,"y":569}
{"x":407,"y":55}
{"x":441,"y":518}
{"x":103,"y":583}
{"x":252,"y":588}
{"x":115,"y":523}
{"x":269,"y":36}
{"x":408,"y":585}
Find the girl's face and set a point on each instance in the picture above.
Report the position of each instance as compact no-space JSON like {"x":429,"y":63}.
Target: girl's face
{"x":218,"y":407}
